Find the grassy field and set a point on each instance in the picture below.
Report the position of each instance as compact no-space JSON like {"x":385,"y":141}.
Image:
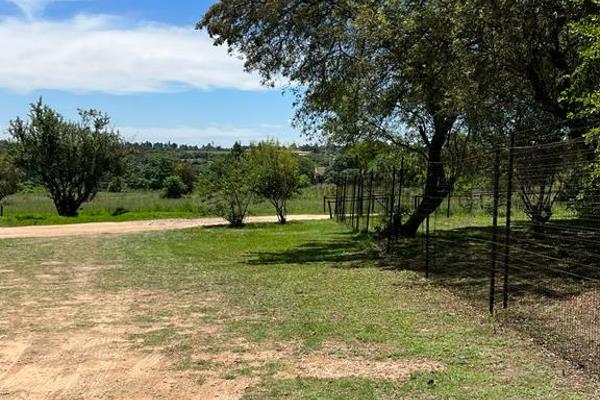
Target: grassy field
{"x":38,"y":209}
{"x":303,"y":311}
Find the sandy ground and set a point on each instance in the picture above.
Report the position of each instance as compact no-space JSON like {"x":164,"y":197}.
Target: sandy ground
{"x":64,"y":339}
{"x":108,"y":228}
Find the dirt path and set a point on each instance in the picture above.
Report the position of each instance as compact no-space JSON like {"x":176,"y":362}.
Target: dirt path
{"x":120,"y":228}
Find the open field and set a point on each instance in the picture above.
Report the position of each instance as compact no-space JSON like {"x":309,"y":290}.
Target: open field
{"x":37,"y":209}
{"x":303,"y":311}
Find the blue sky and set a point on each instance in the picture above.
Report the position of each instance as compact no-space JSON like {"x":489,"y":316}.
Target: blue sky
{"x":142,"y":62}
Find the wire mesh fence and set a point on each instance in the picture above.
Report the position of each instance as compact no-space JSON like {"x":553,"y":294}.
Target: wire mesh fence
{"x":518,"y":234}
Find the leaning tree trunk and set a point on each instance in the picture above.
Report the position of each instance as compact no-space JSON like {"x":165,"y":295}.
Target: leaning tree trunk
{"x":437,"y":184}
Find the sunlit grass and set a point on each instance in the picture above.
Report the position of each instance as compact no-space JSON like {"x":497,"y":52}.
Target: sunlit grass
{"x":37,"y":208}
{"x":308,"y":284}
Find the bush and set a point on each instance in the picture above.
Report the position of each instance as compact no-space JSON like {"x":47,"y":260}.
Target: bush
{"x":174,"y":187}
{"x":188,"y":175}
{"x":227,"y":187}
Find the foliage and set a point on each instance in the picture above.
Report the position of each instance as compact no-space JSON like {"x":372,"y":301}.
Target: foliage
{"x":70,"y":158}
{"x":377,"y":157}
{"x":174,"y":187}
{"x":428,"y":77}
{"x":226,"y":185}
{"x":275,"y":175}
{"x":306,"y":167}
{"x":115,"y":185}
{"x":149,"y":170}
{"x":367,"y":74}
{"x":9,"y":176}
{"x":188,"y":176}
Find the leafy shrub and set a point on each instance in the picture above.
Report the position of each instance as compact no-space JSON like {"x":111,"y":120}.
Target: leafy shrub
{"x":174,"y":187}
{"x":188,"y":175}
{"x":226,"y":186}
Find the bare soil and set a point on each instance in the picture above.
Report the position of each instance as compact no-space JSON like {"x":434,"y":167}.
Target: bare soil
{"x":68,"y":340}
{"x":116,"y":228}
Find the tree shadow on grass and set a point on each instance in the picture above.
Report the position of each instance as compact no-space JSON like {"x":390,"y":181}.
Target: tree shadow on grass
{"x":553,"y":280}
{"x":343,"y":250}
{"x":556,"y":263}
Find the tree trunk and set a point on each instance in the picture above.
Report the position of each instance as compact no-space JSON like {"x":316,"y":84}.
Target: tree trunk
{"x":67,"y":208}
{"x":281,"y":215}
{"x":437,"y":185}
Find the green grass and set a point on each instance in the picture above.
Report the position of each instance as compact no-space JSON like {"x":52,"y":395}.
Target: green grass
{"x":306,"y":284}
{"x":37,"y":208}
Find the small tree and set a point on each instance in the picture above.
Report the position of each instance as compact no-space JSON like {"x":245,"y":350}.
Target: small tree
{"x":226,"y":185}
{"x":69,"y":158}
{"x":174,"y":187}
{"x":275,"y":175}
{"x":9,"y":176}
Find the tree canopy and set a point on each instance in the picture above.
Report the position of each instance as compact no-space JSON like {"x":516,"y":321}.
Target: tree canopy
{"x":427,"y":76}
{"x":69,"y":158}
{"x":275,"y":175}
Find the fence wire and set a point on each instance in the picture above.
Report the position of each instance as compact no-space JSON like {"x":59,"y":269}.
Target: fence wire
{"x":519,"y":235}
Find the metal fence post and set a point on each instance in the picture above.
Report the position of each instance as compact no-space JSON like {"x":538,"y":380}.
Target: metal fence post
{"x":509,"y":190}
{"x":391,"y":210}
{"x":353,"y":201}
{"x":370,"y":201}
{"x":427,"y":246}
{"x":344,"y":191}
{"x":495,"y":231}
{"x":359,"y":201}
{"x":400,"y":184}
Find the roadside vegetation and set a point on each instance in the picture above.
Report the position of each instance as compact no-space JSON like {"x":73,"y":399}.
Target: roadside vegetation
{"x":36,"y":208}
{"x":71,"y":162}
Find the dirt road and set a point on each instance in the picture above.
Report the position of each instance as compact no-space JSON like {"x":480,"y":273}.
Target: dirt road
{"x":120,"y":228}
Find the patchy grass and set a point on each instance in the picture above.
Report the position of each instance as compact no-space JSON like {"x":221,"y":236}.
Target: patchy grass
{"x":553,"y":278}
{"x":37,"y":208}
{"x":264,"y":312}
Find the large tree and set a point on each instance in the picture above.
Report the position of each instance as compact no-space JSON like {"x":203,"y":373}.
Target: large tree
{"x":377,"y":70}
{"x":69,"y":158}
{"x":585,"y":89}
{"x":533,"y":51}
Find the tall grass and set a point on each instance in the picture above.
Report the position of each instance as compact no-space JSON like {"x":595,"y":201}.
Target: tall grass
{"x":37,"y":208}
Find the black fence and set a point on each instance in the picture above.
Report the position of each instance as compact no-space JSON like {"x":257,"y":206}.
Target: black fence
{"x":517,"y":234}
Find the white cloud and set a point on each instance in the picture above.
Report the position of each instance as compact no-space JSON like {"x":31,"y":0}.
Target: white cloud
{"x":97,"y":53}
{"x":198,"y":135}
{"x":220,"y":135}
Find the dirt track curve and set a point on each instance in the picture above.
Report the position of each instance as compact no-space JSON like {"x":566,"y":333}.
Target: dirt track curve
{"x":120,"y":228}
